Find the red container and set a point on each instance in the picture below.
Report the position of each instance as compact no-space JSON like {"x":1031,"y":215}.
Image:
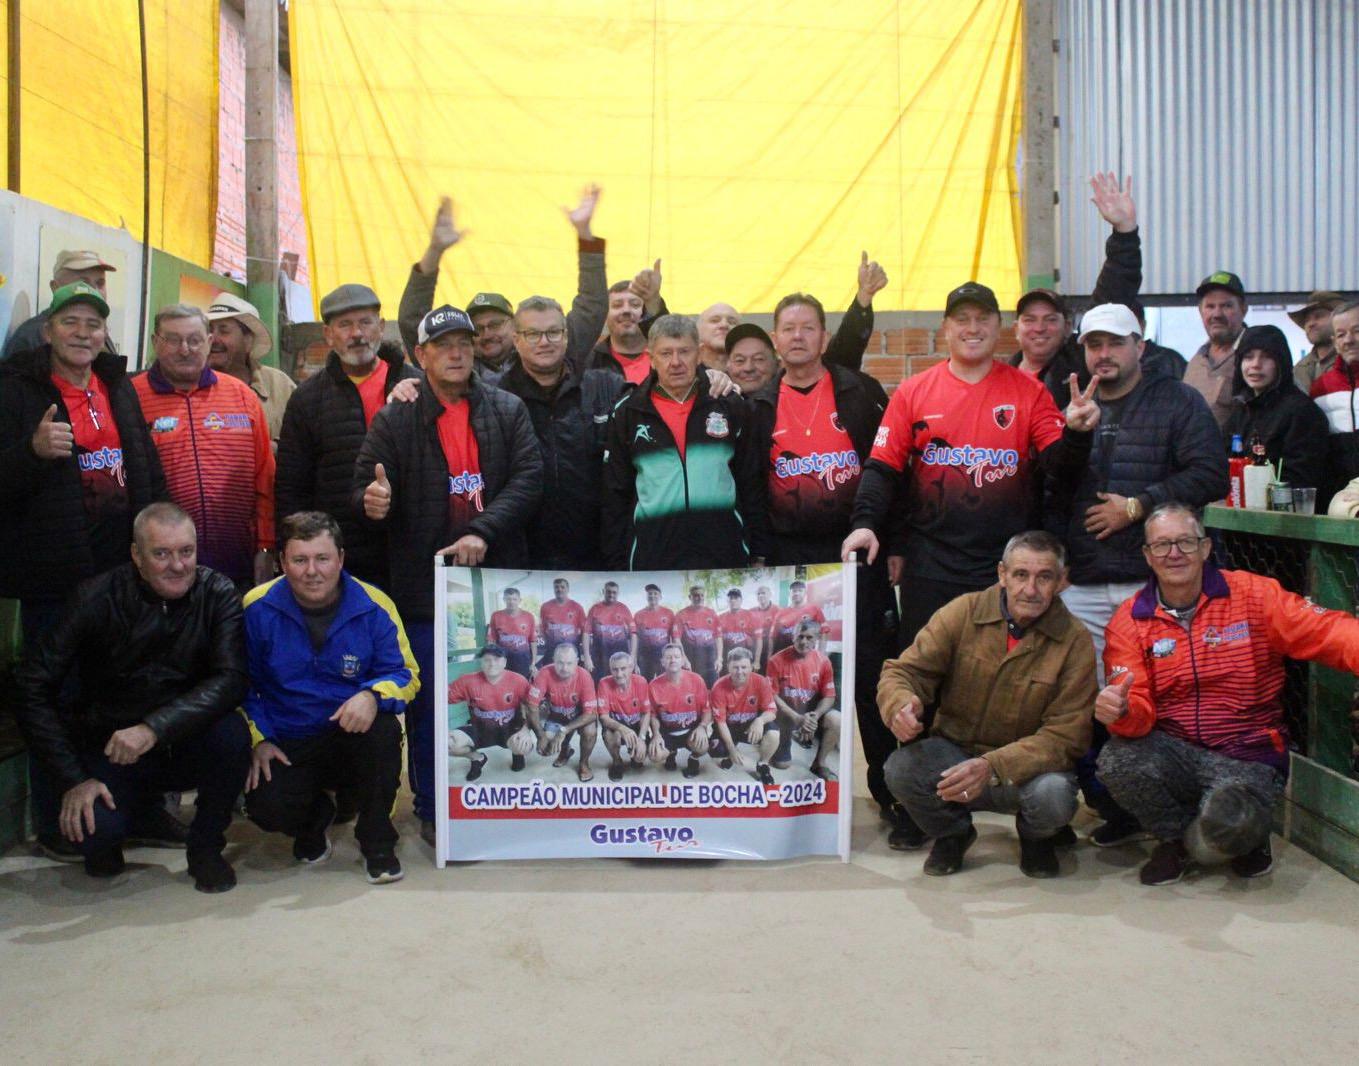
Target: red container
{"x":1236,"y":494}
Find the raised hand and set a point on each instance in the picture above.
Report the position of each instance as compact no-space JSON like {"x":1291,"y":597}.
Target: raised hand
{"x":377,"y":497}
{"x":53,"y":439}
{"x":1112,"y":702}
{"x":444,"y":233}
{"x":584,"y":211}
{"x":647,"y":286}
{"x":872,"y":280}
{"x":1114,"y":202}
{"x":905,"y":724}
{"x":1082,"y":413}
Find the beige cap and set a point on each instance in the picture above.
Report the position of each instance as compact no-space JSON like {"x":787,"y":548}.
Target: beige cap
{"x":228,"y":305}
{"x":80,"y":260}
{"x":1320,"y":298}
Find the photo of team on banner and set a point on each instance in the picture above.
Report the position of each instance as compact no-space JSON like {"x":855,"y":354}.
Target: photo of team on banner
{"x":689,"y":691}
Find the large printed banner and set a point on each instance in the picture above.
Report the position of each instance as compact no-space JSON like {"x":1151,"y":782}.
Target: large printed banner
{"x":605,"y":715}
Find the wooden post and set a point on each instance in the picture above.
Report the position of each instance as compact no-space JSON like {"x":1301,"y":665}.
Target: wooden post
{"x":261,"y":163}
{"x":1040,"y":162}
{"x":12,"y":134}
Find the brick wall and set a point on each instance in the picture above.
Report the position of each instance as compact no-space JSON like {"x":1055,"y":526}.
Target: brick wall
{"x":897,"y":353}
{"x":228,"y":255}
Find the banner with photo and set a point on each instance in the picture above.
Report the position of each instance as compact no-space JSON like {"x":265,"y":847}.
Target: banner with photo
{"x":702,"y":714}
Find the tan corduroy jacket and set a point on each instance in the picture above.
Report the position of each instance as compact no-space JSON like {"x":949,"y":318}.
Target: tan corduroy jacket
{"x":1026,"y":711}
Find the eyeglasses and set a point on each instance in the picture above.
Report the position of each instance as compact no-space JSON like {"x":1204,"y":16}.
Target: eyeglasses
{"x":533,"y":336}
{"x":191,"y":343}
{"x":1159,"y":549}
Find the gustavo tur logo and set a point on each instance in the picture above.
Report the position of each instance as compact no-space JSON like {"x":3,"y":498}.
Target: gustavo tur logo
{"x":663,"y":838}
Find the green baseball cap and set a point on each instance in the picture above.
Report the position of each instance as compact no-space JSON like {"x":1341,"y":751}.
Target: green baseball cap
{"x":78,"y":292}
{"x":489,"y":301}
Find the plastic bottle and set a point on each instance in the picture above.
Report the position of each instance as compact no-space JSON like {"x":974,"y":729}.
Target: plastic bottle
{"x":1236,"y":464}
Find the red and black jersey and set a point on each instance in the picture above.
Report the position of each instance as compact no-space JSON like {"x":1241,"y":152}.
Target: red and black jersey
{"x":513,"y":632}
{"x":741,"y":705}
{"x":679,"y":705}
{"x":625,"y":705}
{"x":562,"y":623}
{"x":783,"y":628}
{"x":813,"y":468}
{"x":801,"y":680}
{"x":654,"y":625}
{"x":565,"y":700}
{"x":697,"y":627}
{"x":496,"y":703}
{"x":465,"y":483}
{"x":99,"y":457}
{"x":738,"y":629}
{"x":611,"y":625}
{"x":966,"y":452}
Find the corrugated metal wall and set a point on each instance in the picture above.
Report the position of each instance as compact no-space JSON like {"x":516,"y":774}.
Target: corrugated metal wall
{"x":1239,"y":122}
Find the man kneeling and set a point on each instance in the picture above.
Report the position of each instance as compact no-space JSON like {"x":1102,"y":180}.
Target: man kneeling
{"x":158,"y":647}
{"x":624,"y":714}
{"x":744,"y":713}
{"x":1014,"y":676}
{"x":495,"y":699}
{"x":1199,"y":745}
{"x":679,"y":701}
{"x":330,"y":669}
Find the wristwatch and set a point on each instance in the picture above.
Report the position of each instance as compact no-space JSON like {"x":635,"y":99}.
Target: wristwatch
{"x":1134,"y":509}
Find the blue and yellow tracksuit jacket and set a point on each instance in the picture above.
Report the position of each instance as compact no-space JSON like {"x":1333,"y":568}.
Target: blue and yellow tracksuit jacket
{"x":293,"y":689}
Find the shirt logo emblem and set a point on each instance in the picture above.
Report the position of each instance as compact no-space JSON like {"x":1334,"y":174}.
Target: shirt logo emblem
{"x":1163,"y":648}
{"x":164,"y":424}
{"x":1004,"y":414}
{"x":349,"y":666}
{"x":880,"y":440}
{"x":643,"y":433}
{"x":835,"y":422}
{"x":716,"y":426}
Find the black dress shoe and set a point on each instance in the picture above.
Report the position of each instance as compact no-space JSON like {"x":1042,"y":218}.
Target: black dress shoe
{"x":946,"y":857}
{"x":210,"y":871}
{"x":905,"y":834}
{"x":1038,"y":858}
{"x":105,"y":863}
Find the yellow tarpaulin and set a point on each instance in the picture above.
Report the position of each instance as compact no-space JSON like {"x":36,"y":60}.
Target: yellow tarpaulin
{"x":81,"y":115}
{"x":755,"y":147}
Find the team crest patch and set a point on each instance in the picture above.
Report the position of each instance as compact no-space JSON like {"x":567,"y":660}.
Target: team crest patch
{"x":1163,"y":648}
{"x":1004,"y":414}
{"x":214,"y":421}
{"x":349,"y":666}
{"x":165,"y":424}
{"x":835,"y":422}
{"x":880,"y":440}
{"x":716,"y":426}
{"x":1212,"y":636}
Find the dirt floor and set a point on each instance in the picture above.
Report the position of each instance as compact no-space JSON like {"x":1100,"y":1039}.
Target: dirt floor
{"x":659,"y":962}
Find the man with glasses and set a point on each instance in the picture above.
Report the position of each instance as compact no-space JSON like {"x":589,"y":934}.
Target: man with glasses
{"x":328,"y":417}
{"x":570,"y":413}
{"x":1199,"y":751}
{"x":213,"y":438}
{"x":1156,"y":441}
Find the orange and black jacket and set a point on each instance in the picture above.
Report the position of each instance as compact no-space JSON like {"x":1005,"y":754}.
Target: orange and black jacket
{"x":1217,"y":684}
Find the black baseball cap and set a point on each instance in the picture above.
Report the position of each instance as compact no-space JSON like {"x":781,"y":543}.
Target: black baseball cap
{"x":972,"y":292}
{"x":734,"y":594}
{"x":1221,"y":279}
{"x":443,"y":320}
{"x":492,"y":649}
{"x":1047,"y":296}
{"x":746,"y":329}
{"x":489,"y":301}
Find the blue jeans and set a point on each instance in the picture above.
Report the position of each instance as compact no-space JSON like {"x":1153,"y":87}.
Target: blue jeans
{"x":420,"y":722}
{"x":1043,"y":804}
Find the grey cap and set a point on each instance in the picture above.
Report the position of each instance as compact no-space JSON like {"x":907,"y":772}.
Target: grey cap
{"x":349,"y":297}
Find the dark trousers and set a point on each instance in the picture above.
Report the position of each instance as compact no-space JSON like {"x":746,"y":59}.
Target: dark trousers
{"x":366,"y":764}
{"x":1044,"y":803}
{"x":214,"y":761}
{"x":420,"y":722}
{"x":875,"y":633}
{"x":703,"y":661}
{"x":921,"y":597}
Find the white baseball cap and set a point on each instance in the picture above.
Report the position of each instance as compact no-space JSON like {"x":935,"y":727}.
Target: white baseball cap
{"x":1117,"y":319}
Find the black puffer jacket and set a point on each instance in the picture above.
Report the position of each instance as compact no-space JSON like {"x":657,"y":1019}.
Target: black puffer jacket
{"x":1167,"y":448}
{"x":405,"y":440}
{"x":571,"y":423}
{"x":175,"y":665}
{"x":323,"y":429}
{"x":1292,"y":427}
{"x":859,"y":403}
{"x":45,"y":543}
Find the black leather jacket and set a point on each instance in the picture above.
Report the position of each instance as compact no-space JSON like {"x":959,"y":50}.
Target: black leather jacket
{"x":174,"y":665}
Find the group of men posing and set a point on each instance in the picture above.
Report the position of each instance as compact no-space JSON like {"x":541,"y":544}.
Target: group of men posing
{"x":650,"y":682}
{"x":522,"y":439}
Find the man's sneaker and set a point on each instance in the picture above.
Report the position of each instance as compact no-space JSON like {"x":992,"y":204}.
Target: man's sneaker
{"x":765,"y":775}
{"x":105,"y":863}
{"x":691,"y":767}
{"x":1255,"y":863}
{"x":210,"y":871}
{"x":905,"y":834}
{"x":383,"y":868}
{"x":1166,"y":865}
{"x":346,"y":806}
{"x":474,"y":771}
{"x":1038,"y":858}
{"x":516,"y":762}
{"x":1064,"y":838}
{"x":429,"y":834}
{"x":312,"y":845}
{"x":57,"y":848}
{"x":616,"y":771}
{"x":156,"y":827}
{"x":670,"y":762}
{"x":1118,"y":831}
{"x":946,"y":857}
{"x":725,"y":764}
